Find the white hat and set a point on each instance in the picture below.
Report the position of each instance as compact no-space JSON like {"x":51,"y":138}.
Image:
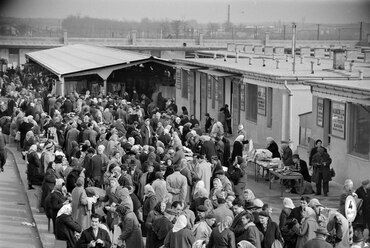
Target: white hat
{"x":258,"y":203}
{"x":288,"y":203}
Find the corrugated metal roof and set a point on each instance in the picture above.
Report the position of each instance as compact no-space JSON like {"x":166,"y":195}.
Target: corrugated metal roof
{"x":77,"y":58}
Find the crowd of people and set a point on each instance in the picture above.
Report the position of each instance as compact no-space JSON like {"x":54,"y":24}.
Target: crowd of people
{"x":114,"y":170}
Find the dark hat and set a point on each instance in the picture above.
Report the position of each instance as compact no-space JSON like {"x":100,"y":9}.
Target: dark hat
{"x":220,"y":172}
{"x":322,"y":230}
{"x":214,"y":157}
{"x":159,"y":175}
{"x":358,"y":238}
{"x":170,"y":211}
{"x":264,"y":214}
{"x":58,"y":159}
{"x":202,"y":208}
{"x":211,"y":215}
{"x":249,"y":205}
{"x":365,"y":182}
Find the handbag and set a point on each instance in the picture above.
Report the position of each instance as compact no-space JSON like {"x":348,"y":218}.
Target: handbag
{"x":332,"y":172}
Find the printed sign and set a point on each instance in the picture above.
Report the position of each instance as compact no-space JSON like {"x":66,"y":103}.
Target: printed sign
{"x":350,"y":208}
{"x":178,"y":78}
{"x":261,"y":100}
{"x":320,"y":112}
{"x":338,"y":119}
{"x":242,"y":97}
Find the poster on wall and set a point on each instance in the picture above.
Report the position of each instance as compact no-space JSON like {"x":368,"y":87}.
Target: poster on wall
{"x":215,"y":80}
{"x":178,"y":78}
{"x":209,"y":86}
{"x":242,"y":97}
{"x":338,"y":119}
{"x":320,"y":112}
{"x":261,"y":100}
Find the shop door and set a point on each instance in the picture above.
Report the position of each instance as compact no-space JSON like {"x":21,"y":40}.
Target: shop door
{"x":235,"y":113}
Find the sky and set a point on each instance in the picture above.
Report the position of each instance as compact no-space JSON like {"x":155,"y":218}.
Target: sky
{"x":203,"y":11}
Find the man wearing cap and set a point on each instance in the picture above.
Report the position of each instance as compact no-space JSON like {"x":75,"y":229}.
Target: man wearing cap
{"x":162,"y":226}
{"x":320,"y":240}
{"x":203,"y":229}
{"x":363,"y":193}
{"x":269,"y":229}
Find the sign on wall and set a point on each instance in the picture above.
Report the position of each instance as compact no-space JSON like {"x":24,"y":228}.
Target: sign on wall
{"x":261,"y":100}
{"x":320,"y":112}
{"x":209,"y":86}
{"x":178,"y":78}
{"x":338,"y":119}
{"x":242,"y":97}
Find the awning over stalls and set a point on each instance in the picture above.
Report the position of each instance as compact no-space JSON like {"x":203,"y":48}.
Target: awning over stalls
{"x":218,"y":73}
{"x":77,"y":60}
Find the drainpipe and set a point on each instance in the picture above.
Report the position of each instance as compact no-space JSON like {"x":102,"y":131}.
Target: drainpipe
{"x":290,"y":115}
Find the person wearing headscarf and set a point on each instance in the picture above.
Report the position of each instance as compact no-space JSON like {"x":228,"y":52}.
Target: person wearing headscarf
{"x":308,"y":228}
{"x":150,"y":200}
{"x":48,"y":182}
{"x":35,"y":170}
{"x":288,"y":206}
{"x":48,"y":154}
{"x":199,"y":197}
{"x":58,"y":198}
{"x":179,"y":236}
{"x":24,"y":127}
{"x":222,"y":236}
{"x":80,"y":211}
{"x":238,"y":147}
{"x":29,"y":141}
{"x":130,"y":227}
{"x":66,"y":227}
{"x":155,"y":214}
{"x":217,"y":187}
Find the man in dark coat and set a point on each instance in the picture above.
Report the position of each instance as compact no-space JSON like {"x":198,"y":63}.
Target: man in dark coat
{"x":67,"y":106}
{"x":94,"y":236}
{"x":320,"y":240}
{"x":321,"y":170}
{"x":146,"y":132}
{"x":237,"y":226}
{"x":269,"y":229}
{"x":208,"y":123}
{"x":162,"y":226}
{"x":364,"y":193}
{"x":297,"y":211}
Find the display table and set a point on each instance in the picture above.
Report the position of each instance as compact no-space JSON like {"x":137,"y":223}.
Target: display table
{"x":287,"y":175}
{"x":265,"y":165}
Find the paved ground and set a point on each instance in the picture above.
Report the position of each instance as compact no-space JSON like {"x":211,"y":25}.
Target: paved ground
{"x":17,"y":226}
{"x":16,"y":208}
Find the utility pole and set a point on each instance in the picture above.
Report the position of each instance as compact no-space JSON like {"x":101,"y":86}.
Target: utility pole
{"x":318,"y":31}
{"x":360,"y":31}
{"x":294,"y":27}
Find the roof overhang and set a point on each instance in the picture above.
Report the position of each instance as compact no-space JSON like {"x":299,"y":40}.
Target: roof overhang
{"x":219,"y":73}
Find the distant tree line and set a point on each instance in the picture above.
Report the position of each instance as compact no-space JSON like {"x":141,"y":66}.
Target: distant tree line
{"x":89,"y":27}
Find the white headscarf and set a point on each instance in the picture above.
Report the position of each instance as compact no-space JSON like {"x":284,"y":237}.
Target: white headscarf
{"x":181,"y":223}
{"x":66,"y":209}
{"x":240,"y":138}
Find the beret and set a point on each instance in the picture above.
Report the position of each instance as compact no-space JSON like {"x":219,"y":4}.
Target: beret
{"x":202,"y":208}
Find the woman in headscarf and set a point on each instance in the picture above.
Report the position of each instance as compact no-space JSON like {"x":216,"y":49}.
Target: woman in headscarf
{"x":74,"y":152}
{"x":130,"y":228}
{"x":150,"y":200}
{"x":247,"y":196}
{"x":48,"y":182}
{"x":111,"y":146}
{"x":48,"y":153}
{"x":217,"y":188}
{"x":80,"y":212}
{"x":29,"y":141}
{"x":179,"y":236}
{"x":153,"y":215}
{"x":66,"y":227}
{"x":308,"y":227}
{"x":222,"y":236}
{"x":238,"y":147}
{"x":35,"y":170}
{"x":58,"y":198}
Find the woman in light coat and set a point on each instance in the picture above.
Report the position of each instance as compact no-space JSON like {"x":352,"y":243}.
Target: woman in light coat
{"x":307,"y":229}
{"x":80,"y":211}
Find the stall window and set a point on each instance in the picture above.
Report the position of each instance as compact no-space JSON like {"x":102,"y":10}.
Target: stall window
{"x":184,"y":83}
{"x":304,"y":135}
{"x":359,"y":138}
{"x":251,"y":102}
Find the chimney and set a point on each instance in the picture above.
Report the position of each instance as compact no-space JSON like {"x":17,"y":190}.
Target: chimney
{"x":339,"y":59}
{"x":65,"y":38}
